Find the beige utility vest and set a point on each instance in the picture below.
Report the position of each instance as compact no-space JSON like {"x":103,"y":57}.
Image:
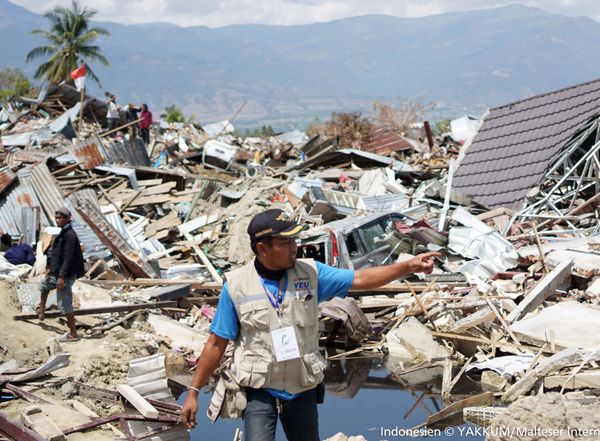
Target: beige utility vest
{"x":254,"y":362}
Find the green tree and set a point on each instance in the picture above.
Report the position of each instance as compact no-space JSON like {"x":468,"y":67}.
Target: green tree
{"x":173,"y":114}
{"x":13,"y":82}
{"x":441,"y":127}
{"x":71,"y":42}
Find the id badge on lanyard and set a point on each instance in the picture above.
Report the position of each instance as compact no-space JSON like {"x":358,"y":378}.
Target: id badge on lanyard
{"x":284,"y":338}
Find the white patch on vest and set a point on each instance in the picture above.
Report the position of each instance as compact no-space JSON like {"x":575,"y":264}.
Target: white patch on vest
{"x":285,"y":344}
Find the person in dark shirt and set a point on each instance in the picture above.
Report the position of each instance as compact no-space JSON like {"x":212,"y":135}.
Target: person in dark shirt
{"x":65,"y":264}
{"x":131,"y":115}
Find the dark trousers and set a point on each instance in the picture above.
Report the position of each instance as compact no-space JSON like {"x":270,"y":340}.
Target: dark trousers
{"x":299,"y":417}
{"x":145,"y":135}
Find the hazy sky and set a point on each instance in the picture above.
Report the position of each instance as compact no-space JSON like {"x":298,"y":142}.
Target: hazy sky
{"x":215,"y":13}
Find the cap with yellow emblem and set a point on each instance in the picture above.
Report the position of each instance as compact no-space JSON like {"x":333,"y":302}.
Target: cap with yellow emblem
{"x":273,"y":223}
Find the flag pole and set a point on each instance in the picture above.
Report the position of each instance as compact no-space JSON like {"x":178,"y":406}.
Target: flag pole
{"x":80,"y":111}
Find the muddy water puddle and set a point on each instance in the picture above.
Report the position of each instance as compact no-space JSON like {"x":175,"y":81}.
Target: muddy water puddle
{"x":365,"y":397}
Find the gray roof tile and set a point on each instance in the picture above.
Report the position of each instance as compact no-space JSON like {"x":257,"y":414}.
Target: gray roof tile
{"x":517,"y":142}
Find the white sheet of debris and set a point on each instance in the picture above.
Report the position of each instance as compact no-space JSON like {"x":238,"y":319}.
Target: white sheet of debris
{"x":491,"y":253}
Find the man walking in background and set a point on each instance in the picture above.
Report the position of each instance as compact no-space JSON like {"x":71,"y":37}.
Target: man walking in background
{"x":65,"y":264}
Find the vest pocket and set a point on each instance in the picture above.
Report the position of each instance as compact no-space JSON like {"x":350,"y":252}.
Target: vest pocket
{"x":254,"y":315}
{"x":311,"y":370}
{"x":253,"y":374}
{"x":304,"y":313}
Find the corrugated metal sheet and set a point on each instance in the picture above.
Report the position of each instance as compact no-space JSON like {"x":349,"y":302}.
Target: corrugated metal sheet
{"x":7,"y":177}
{"x":88,"y":154}
{"x":131,"y":152}
{"x":384,"y":141}
{"x":148,"y":377}
{"x":517,"y":142}
{"x":92,"y":247}
{"x":118,"y":224}
{"x":14,"y":201}
{"x":47,"y":189}
{"x":358,"y":157}
{"x":18,"y":156}
{"x":394,"y":201}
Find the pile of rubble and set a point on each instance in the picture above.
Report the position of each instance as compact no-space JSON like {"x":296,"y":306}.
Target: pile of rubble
{"x":510,"y":303}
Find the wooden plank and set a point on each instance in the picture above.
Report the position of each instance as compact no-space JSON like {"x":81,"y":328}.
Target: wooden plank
{"x":477,"y":400}
{"x":199,"y":222}
{"x":102,"y":310}
{"x":159,"y":189}
{"x":418,"y":300}
{"x":475,"y":319}
{"x":137,"y":401}
{"x":484,"y":341}
{"x":195,"y":283}
{"x":164,"y":223}
{"x":153,"y":199}
{"x":566,"y":357}
{"x":541,"y":291}
{"x":211,"y":269}
{"x":149,"y":182}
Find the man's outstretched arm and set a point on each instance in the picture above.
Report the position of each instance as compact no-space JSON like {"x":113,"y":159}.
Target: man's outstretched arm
{"x":209,"y":360}
{"x":369,"y":278}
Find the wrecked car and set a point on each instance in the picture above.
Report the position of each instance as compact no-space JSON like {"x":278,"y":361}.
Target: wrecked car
{"x":356,"y":242}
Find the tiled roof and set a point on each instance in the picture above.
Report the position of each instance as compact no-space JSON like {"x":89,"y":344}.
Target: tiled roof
{"x":516,"y":143}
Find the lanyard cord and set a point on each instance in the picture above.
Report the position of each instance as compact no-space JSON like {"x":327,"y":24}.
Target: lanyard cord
{"x":276,"y":299}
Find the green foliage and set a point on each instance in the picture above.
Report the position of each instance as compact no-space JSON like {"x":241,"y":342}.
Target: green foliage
{"x":263,"y":132}
{"x":173,"y":114}
{"x":13,"y":82}
{"x":441,"y":127}
{"x":70,"y":43}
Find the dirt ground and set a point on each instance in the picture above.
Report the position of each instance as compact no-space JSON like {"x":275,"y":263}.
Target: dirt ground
{"x":100,"y":360}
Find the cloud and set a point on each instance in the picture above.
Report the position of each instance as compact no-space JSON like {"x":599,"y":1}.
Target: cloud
{"x":216,"y":13}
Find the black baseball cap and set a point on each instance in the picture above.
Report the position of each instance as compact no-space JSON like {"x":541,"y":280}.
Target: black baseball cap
{"x":273,"y":223}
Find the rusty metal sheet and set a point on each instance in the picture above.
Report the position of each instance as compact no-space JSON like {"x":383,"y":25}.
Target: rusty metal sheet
{"x":16,"y":430}
{"x":88,"y":154}
{"x":7,"y":177}
{"x":384,"y":140}
{"x":113,"y":240}
{"x":31,"y":156}
{"x":12,"y":204}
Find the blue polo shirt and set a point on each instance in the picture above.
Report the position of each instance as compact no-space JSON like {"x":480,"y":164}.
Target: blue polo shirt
{"x":333,"y":282}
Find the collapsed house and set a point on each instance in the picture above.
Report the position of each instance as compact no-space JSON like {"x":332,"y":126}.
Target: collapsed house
{"x":161,"y":223}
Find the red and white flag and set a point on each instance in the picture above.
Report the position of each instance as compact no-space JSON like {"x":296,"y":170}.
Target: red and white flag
{"x":78,"y":76}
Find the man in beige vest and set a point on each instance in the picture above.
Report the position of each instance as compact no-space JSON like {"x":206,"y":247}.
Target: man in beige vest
{"x":269,"y":309}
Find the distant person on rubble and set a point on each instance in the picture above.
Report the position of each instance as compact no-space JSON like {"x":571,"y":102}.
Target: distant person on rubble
{"x":17,"y":254}
{"x":112,"y":115}
{"x":65,"y":264}
{"x":145,"y":124}
{"x":131,"y":115}
{"x":269,"y":309}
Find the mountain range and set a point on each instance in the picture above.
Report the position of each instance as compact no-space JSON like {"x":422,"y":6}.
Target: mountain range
{"x":464,"y":62}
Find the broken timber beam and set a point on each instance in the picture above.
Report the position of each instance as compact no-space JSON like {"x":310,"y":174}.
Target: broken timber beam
{"x":564,"y":358}
{"x":540,"y":292}
{"x":209,"y":266}
{"x":101,"y":310}
{"x":477,"y":400}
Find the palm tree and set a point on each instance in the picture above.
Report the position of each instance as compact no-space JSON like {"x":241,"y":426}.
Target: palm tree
{"x":70,"y":43}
